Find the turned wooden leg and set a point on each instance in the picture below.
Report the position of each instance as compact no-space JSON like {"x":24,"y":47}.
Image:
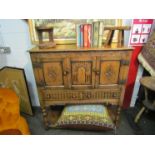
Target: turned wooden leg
{"x":118,"y":116}
{"x":139,"y":114}
{"x":44,"y":111}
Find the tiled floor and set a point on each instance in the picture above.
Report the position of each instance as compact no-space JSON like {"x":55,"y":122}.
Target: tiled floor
{"x":145,"y":126}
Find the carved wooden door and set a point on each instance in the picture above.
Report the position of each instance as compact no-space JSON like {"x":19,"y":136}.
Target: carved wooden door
{"x":51,"y":72}
{"x":110,"y":70}
{"x":82,"y":74}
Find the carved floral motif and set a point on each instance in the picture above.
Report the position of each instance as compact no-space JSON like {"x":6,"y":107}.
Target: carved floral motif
{"x":109,"y":72}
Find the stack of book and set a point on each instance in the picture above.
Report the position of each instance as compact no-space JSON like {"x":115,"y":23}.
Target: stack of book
{"x":89,"y":35}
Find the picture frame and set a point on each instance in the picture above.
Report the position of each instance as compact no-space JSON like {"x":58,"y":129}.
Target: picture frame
{"x":15,"y":79}
{"x":64,"y":29}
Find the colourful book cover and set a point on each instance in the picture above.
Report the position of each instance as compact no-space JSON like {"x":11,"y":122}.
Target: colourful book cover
{"x":100,"y":34}
{"x":85,"y":37}
{"x":89,"y":44}
{"x":95,"y":34}
{"x":78,"y":37}
{"x":81,"y":35}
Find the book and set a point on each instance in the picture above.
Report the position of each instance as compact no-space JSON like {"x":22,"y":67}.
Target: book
{"x":81,"y":35}
{"x":100,"y":34}
{"x":95,"y":34}
{"x":78,"y":37}
{"x":85,"y":36}
{"x":89,"y":44}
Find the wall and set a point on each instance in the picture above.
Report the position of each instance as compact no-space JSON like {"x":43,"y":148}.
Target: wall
{"x":15,"y":34}
{"x":127,"y":22}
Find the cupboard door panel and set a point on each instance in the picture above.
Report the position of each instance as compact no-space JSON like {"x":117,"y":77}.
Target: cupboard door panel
{"x":53,"y":73}
{"x":82,"y":74}
{"x":38,"y":72}
{"x":109,"y":72}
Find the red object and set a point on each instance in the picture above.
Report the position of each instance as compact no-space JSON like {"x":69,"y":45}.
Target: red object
{"x":85,"y":35}
{"x":143,"y":21}
{"x":140,"y":31}
{"x":131,"y":76}
{"x":139,"y":35}
{"x":89,"y":35}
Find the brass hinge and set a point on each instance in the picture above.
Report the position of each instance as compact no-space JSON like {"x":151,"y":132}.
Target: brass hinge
{"x":122,"y":82}
{"x":37,"y":65}
{"x":40,"y":84}
{"x":125,"y":62}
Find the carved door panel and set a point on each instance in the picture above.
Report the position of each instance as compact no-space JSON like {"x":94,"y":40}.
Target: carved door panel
{"x":107,"y":72}
{"x":82,"y":74}
{"x":51,"y":72}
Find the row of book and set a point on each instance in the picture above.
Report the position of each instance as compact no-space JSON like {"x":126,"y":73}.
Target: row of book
{"x":89,"y":35}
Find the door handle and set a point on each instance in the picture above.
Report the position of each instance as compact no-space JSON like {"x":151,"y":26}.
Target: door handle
{"x":65,"y":72}
{"x":96,"y":71}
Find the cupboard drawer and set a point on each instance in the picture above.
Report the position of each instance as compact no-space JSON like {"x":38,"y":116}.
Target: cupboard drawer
{"x":81,"y":96}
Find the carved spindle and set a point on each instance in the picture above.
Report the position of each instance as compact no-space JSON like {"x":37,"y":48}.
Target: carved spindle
{"x":48,"y":96}
{"x":45,"y":118}
{"x":88,"y":95}
{"x":118,"y":116}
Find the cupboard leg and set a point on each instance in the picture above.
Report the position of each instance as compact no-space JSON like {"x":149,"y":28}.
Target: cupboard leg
{"x":44,"y":111}
{"x":118,"y":116}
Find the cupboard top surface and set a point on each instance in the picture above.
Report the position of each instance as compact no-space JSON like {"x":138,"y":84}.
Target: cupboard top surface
{"x":71,"y":48}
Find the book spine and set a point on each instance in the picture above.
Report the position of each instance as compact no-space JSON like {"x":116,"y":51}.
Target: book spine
{"x":89,"y":44}
{"x":85,"y":35}
{"x":100,"y":34}
{"x":92,"y":35}
{"x":95,"y":34}
{"x":81,"y":35}
{"x":78,"y":37}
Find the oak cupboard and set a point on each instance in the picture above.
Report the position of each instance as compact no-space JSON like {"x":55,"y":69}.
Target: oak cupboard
{"x":70,"y":75}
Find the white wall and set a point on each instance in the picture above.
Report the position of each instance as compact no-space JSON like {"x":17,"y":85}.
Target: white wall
{"x":127,"y":22}
{"x":15,"y":34}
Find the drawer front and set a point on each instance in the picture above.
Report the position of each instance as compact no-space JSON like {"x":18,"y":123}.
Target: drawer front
{"x":81,"y":96}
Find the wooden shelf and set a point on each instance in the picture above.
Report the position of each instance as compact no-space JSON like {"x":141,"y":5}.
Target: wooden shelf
{"x":70,"y":48}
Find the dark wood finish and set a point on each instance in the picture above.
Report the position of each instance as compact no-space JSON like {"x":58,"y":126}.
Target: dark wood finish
{"x":40,"y":31}
{"x":70,"y":75}
{"x":117,"y":27}
{"x":71,"y":48}
{"x":111,"y":31}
